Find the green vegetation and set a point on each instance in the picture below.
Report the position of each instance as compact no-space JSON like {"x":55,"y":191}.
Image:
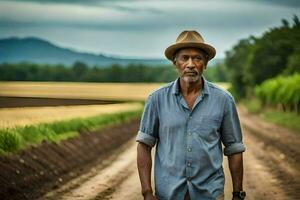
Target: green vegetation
{"x":80,"y":72}
{"x":254,"y":60}
{"x":281,"y":93}
{"x":287,"y":119}
{"x":18,"y":138}
{"x":253,"y":105}
{"x":278,"y":101}
{"x":216,"y":73}
{"x":282,"y":118}
{"x":265,"y":74}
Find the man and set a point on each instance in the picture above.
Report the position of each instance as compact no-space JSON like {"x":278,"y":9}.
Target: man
{"x":188,"y":120}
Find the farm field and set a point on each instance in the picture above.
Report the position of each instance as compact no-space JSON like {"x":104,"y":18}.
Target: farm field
{"x":92,"y":91}
{"x":12,"y":117}
{"x":20,"y":116}
{"x":70,"y":90}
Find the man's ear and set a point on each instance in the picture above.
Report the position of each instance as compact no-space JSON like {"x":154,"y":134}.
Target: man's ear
{"x":205,"y":64}
{"x":174,"y":62}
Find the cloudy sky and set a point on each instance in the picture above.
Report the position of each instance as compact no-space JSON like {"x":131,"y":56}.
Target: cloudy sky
{"x":140,"y":28}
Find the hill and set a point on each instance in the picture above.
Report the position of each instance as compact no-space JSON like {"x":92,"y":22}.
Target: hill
{"x":35,"y":50}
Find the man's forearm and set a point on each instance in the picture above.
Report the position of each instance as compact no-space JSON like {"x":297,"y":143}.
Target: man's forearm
{"x":236,"y":170}
{"x":144,"y":163}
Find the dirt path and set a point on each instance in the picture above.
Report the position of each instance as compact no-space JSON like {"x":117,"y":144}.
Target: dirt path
{"x":269,"y":172}
{"x":101,"y":182}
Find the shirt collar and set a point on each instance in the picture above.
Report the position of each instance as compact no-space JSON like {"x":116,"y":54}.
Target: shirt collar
{"x":176,"y":91}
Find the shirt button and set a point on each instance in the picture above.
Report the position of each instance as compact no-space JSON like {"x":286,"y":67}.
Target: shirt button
{"x":189,"y":134}
{"x":189,"y":164}
{"x":189,"y":149}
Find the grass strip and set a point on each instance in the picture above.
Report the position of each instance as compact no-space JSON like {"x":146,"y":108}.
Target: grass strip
{"x":14,"y":139}
{"x":287,"y":119}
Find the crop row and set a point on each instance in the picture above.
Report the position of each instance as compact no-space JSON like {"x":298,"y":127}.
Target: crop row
{"x":13,"y":139}
{"x":281,"y":92}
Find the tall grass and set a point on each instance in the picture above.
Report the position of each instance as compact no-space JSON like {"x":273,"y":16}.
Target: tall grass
{"x":14,"y":139}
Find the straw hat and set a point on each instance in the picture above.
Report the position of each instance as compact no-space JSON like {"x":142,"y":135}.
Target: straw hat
{"x":188,"y":39}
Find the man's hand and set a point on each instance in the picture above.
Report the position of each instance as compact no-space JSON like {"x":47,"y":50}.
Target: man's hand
{"x":149,"y":196}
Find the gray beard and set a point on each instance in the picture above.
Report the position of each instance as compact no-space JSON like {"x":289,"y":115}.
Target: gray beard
{"x":191,"y":79}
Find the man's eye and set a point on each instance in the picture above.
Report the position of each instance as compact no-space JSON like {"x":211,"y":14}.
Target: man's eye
{"x":184,"y":58}
{"x":198,"y":58}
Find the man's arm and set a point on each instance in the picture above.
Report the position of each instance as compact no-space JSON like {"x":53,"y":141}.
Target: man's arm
{"x":235,"y":162}
{"x":144,"y":164}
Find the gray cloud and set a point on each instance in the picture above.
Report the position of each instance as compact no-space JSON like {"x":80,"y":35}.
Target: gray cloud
{"x":113,"y":4}
{"x":233,"y":15}
{"x":289,"y":3}
{"x":125,"y":24}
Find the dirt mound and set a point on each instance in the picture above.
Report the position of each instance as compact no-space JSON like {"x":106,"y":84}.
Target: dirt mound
{"x":30,"y":173}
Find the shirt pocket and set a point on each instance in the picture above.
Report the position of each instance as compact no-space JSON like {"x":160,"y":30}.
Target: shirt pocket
{"x":208,"y":129}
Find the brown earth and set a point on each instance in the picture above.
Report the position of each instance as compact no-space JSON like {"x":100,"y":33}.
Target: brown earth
{"x":15,"y":102}
{"x":271,"y":165}
{"x":277,"y":150}
{"x":31,"y":172}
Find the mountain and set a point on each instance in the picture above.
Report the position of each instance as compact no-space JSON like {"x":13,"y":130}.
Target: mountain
{"x":35,"y":50}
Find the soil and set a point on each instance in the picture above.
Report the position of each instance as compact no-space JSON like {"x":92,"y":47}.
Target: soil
{"x":271,"y":166}
{"x":34,"y":171}
{"x":15,"y":102}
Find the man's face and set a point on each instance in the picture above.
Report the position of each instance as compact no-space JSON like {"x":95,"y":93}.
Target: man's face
{"x":190,"y":63}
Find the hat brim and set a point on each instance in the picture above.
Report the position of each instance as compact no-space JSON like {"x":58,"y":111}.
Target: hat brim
{"x":211,"y":51}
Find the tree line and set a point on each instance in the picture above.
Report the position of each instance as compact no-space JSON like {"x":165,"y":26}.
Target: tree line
{"x":80,"y":72}
{"x":256,"y":59}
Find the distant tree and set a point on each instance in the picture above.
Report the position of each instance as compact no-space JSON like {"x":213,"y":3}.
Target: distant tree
{"x":285,"y":23}
{"x":296,"y":21}
{"x":79,"y":69}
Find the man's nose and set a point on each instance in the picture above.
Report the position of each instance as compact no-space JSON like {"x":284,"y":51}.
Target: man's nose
{"x":190,"y":63}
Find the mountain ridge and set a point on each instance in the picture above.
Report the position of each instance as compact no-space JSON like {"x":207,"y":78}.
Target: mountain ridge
{"x":39,"y":51}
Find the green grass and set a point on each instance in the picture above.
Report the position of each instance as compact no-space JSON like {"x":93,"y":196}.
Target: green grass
{"x":14,"y":139}
{"x":253,"y":106}
{"x":287,"y":119}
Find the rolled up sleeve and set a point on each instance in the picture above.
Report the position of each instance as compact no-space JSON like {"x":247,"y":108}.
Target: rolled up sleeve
{"x":231,"y":133}
{"x":148,"y":131}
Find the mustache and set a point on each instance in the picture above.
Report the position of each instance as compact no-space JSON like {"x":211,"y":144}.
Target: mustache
{"x":190,"y":71}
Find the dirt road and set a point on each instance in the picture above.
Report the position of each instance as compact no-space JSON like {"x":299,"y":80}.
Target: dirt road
{"x":270,"y":170}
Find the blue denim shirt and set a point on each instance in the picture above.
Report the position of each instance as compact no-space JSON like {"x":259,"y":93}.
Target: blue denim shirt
{"x":189,"y":143}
